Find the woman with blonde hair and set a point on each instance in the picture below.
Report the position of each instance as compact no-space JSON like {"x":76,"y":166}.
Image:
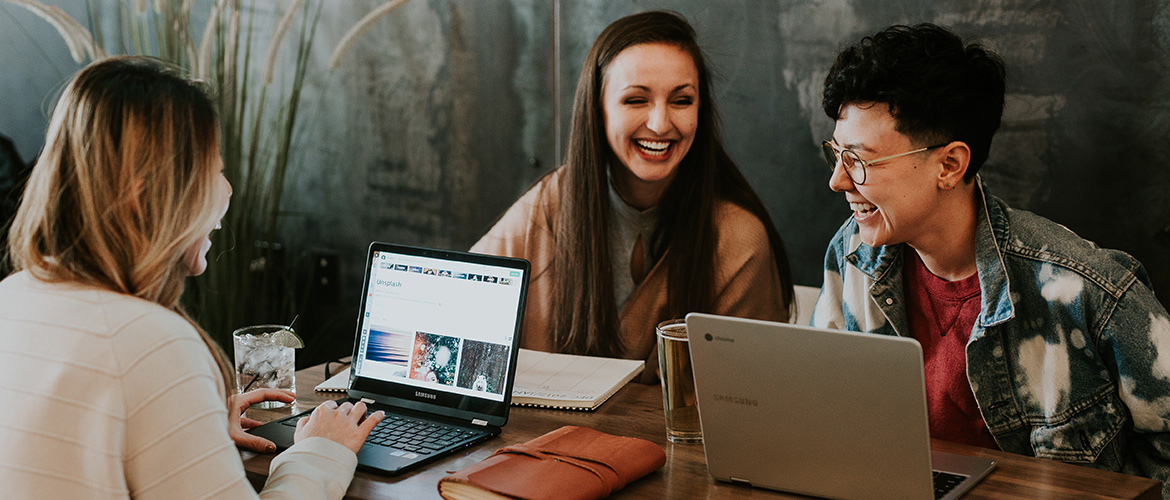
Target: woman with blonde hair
{"x":648,"y":218}
{"x":113,"y":391}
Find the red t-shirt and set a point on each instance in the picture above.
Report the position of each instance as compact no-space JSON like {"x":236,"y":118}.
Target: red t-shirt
{"x":941,"y":314}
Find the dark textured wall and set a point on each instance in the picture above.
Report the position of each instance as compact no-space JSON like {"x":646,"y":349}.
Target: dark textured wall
{"x":447,"y":110}
{"x":1083,"y":141}
{"x":427,"y":131}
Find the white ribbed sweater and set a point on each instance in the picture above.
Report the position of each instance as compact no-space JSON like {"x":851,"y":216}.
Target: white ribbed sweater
{"x":110,"y":396}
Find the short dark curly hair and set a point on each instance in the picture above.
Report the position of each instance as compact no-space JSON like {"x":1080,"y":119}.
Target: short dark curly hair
{"x":938,"y":88}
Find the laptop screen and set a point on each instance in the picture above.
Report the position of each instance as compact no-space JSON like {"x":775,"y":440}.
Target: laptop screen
{"x":439,"y":328}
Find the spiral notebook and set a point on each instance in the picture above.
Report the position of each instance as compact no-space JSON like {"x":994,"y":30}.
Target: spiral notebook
{"x":551,"y":380}
{"x":569,"y":382}
{"x":337,"y":383}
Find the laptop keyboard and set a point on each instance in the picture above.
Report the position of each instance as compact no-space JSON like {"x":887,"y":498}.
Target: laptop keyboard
{"x":945,"y":482}
{"x":411,"y":437}
{"x":421,"y":437}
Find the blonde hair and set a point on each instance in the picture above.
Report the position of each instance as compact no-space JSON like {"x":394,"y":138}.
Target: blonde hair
{"x":124,"y":186}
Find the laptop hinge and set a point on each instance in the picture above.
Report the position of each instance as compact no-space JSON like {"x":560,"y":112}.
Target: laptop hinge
{"x":368,"y":401}
{"x":479,"y":421}
{"x":740,"y":481}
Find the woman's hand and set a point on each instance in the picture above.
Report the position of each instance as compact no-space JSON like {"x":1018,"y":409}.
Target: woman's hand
{"x":343,"y":424}
{"x":237,"y":422}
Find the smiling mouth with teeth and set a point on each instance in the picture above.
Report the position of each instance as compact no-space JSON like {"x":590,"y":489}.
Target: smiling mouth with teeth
{"x":653,"y":147}
{"x":863,"y":209}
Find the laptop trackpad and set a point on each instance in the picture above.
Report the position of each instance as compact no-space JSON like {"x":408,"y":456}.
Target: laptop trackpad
{"x":378,"y":458}
{"x":280,"y":432}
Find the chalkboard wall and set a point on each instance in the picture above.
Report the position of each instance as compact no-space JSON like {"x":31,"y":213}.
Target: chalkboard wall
{"x":447,"y":110}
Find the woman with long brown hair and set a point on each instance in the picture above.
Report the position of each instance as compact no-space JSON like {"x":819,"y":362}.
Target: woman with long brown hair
{"x":113,"y":391}
{"x":648,"y":218}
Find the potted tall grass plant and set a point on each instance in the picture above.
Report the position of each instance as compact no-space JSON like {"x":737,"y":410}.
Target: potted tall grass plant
{"x":247,"y":282}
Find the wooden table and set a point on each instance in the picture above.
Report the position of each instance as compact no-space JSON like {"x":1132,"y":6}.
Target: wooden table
{"x":636,"y":411}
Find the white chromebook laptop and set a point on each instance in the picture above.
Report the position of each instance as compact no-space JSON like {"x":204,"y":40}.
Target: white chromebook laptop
{"x":819,"y":412}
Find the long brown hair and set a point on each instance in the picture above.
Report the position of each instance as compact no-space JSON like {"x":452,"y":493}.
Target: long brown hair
{"x":124,"y":186}
{"x":584,"y":309}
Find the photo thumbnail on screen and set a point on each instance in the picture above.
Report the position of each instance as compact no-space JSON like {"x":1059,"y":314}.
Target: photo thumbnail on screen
{"x":483,"y":366}
{"x":392,"y":348}
{"x":434,"y":358}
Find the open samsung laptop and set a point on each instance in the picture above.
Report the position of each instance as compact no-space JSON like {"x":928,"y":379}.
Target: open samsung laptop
{"x":818,"y":412}
{"x":435,"y":349}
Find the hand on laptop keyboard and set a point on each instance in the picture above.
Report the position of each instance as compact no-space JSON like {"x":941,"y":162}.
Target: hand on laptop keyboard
{"x":343,"y":424}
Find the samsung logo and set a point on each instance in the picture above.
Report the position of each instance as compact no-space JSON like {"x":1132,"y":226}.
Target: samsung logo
{"x":736,"y":400}
{"x":424,"y":395}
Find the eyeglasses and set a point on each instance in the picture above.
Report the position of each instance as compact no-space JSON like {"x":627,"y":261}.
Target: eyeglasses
{"x":854,"y":165}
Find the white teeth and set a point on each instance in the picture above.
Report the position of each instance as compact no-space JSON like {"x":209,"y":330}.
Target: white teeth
{"x":653,"y":146}
{"x":219,"y":224}
{"x":862,"y":207}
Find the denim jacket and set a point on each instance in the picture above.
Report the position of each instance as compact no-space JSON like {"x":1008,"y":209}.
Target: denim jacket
{"x":1069,"y":358}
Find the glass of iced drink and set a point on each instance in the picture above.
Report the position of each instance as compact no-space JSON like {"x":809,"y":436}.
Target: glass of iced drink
{"x":266,"y":357}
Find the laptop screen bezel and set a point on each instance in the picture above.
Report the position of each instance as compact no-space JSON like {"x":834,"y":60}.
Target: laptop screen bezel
{"x":460,"y":407}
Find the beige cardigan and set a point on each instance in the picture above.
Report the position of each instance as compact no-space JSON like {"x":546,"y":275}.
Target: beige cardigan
{"x":746,"y":280}
{"x":113,"y":397}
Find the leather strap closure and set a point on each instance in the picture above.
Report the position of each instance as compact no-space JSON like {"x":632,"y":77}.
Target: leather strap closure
{"x":604,"y":472}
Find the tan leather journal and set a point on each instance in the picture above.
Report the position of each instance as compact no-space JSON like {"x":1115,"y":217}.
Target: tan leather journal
{"x":571,"y":463}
